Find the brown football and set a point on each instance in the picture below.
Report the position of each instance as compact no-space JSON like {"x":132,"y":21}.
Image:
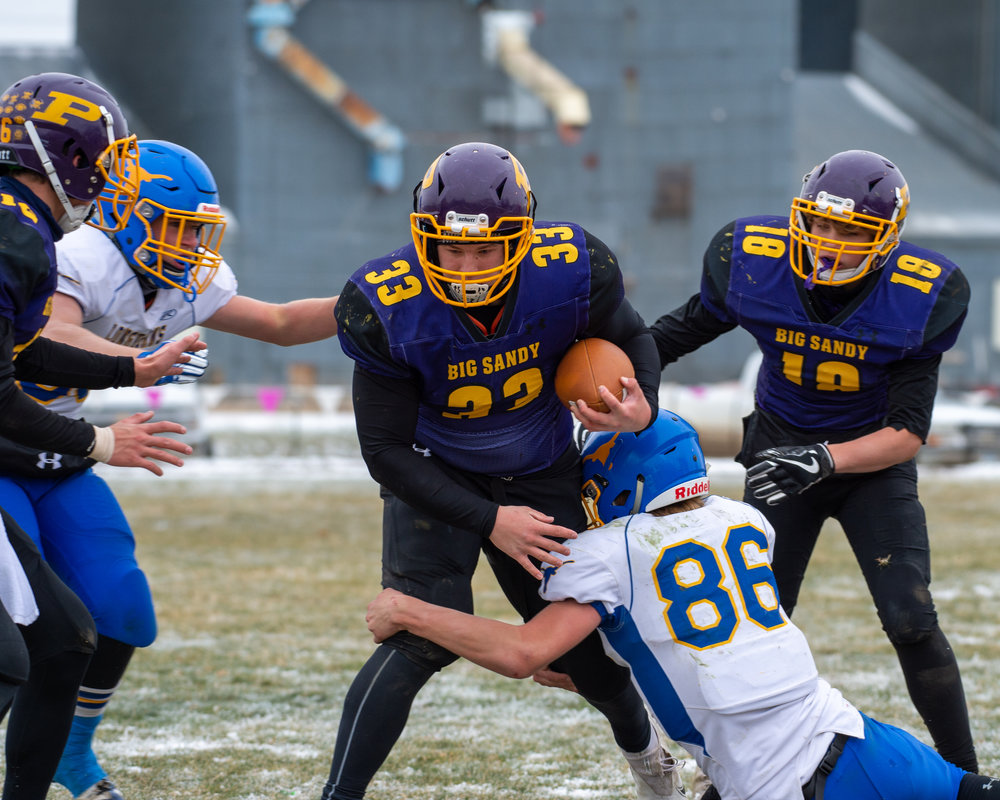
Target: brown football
{"x":590,"y":363}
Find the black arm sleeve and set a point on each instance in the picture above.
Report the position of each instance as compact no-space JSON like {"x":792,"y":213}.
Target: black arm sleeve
{"x":24,"y":421}
{"x":692,"y":325}
{"x":685,"y":329}
{"x":612,"y":317}
{"x":913,"y":381}
{"x":385,"y":412}
{"x":950,"y":309}
{"x":58,"y":364}
{"x":912,"y":387}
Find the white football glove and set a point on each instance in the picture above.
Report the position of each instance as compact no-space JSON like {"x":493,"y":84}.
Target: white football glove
{"x":190,"y":370}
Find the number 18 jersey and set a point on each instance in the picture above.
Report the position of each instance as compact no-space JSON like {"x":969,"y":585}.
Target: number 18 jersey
{"x":832,"y":374}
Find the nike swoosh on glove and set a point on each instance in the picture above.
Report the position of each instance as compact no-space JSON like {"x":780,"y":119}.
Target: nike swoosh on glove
{"x":190,"y":370}
{"x":783,"y":471}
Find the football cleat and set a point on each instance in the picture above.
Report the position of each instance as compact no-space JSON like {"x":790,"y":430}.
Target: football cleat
{"x":104,"y":789}
{"x":657,"y":775}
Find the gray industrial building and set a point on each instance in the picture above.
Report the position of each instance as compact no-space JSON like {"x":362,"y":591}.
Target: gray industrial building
{"x":650,"y":122}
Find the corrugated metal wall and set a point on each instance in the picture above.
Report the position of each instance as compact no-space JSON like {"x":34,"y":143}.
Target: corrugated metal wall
{"x":699,"y":115}
{"x":691,"y":127}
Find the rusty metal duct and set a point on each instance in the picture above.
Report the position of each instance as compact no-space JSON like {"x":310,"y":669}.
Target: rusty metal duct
{"x":505,"y":43}
{"x":272,"y":20}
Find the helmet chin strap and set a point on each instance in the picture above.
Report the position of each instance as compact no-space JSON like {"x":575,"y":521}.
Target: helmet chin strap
{"x":73,"y":216}
{"x":823,"y":266}
{"x":640,"y":485}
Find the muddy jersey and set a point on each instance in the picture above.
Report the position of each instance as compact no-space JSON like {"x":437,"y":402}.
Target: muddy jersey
{"x":833,"y":374}
{"x":484,"y":400}
{"x":93,"y":272}
{"x":688,"y":601}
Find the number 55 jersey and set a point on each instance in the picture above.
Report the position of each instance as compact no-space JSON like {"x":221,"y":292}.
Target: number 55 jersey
{"x":688,"y":601}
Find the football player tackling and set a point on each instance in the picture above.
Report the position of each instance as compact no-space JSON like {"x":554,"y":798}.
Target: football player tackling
{"x":679,"y":585}
{"x":456,"y":338}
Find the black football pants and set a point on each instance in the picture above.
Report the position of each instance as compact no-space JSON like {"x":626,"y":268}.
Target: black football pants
{"x":59,"y":644}
{"x":429,"y":559}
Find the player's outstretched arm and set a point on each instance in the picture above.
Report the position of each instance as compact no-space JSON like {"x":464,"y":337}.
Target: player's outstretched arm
{"x":516,"y":651}
{"x":66,"y":326}
{"x":784,"y":471}
{"x":296,"y":322}
{"x":878,"y":450}
{"x":136,"y":442}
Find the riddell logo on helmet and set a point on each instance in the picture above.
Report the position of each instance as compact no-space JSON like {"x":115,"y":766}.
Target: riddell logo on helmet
{"x":691,"y":489}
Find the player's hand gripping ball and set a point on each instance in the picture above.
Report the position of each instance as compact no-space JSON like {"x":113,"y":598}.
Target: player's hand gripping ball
{"x":590,"y":363}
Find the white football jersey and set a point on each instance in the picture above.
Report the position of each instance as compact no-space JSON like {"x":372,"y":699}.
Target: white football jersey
{"x":689,"y":602}
{"x":93,"y":271}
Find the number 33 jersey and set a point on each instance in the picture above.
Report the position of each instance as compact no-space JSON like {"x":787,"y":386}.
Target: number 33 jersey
{"x":688,"y":601}
{"x":484,"y":399}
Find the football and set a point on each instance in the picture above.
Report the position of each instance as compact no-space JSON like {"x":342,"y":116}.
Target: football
{"x":590,"y":363}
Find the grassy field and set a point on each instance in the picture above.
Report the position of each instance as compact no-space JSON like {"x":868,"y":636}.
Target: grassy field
{"x":261,"y":597}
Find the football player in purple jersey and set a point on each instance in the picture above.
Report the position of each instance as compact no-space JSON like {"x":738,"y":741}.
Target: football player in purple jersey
{"x":456,"y":338}
{"x":852,"y":322}
{"x":64,"y":145}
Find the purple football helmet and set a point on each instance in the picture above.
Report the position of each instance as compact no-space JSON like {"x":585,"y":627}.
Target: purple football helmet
{"x":859,"y":194}
{"x":472,"y":193}
{"x":72,"y":131}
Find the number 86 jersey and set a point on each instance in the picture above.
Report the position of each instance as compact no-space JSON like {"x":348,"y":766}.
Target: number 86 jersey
{"x":688,"y":601}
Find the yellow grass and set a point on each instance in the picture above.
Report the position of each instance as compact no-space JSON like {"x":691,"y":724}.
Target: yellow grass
{"x":261,"y":597}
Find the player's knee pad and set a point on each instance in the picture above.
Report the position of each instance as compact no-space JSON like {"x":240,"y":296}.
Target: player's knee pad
{"x":904,"y":603}
{"x":420,"y":651}
{"x":123,"y":609}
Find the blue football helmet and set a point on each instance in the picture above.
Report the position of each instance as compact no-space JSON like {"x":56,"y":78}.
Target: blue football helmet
{"x":176,"y":229}
{"x":625,"y":473}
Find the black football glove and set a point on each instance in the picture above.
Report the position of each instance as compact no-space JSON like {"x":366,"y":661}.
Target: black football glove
{"x":788,"y":470}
